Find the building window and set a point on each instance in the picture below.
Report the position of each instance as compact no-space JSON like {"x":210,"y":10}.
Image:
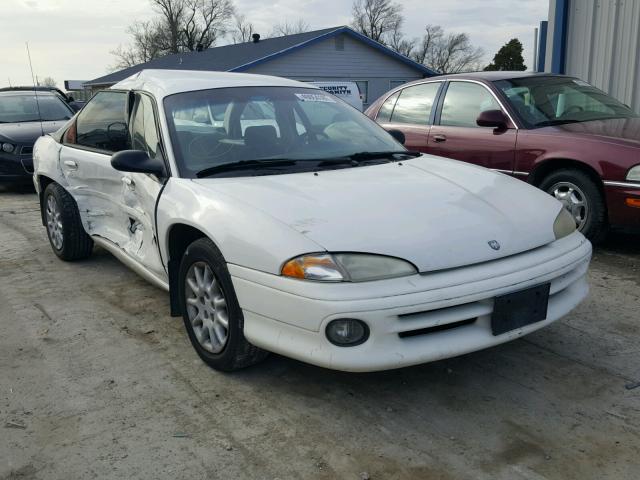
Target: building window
{"x":339,"y":42}
{"x":396,"y":83}
{"x":363,"y":86}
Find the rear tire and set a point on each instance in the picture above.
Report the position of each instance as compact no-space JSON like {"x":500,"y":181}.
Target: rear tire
{"x":212,"y":316}
{"x":66,"y":234}
{"x":581,"y":196}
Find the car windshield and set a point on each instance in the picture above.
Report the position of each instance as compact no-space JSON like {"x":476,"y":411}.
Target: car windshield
{"x":228,"y":125}
{"x":547,"y":100}
{"x":24,"y":108}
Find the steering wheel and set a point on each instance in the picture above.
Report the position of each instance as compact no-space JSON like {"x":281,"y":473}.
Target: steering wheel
{"x":113,"y":134}
{"x":203,"y":147}
{"x":573,"y":109}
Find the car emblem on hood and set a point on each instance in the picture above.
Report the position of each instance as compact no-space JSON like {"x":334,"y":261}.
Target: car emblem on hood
{"x":494,"y":244}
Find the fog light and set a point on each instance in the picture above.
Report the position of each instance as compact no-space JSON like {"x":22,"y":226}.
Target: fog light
{"x":347,"y":332}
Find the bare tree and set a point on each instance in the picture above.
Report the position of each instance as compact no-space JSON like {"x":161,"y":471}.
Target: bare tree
{"x":425,"y":46}
{"x":445,"y":53}
{"x":241,"y":30}
{"x":452,"y":53}
{"x":181,"y":26}
{"x":172,"y":13}
{"x":396,"y":41}
{"x":289,"y":28}
{"x":47,"y":82}
{"x":149,"y":41}
{"x":376,"y":18}
{"x":204,"y":21}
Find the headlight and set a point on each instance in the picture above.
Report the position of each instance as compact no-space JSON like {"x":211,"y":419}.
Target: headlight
{"x":633,"y":174}
{"x":7,"y":147}
{"x":564,"y":225}
{"x":346,"y":267}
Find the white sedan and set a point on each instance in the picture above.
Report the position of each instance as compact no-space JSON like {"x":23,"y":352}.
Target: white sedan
{"x":282,"y":220}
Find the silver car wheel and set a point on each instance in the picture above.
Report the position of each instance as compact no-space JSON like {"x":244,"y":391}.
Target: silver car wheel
{"x":54,"y":222}
{"x":206,"y":307}
{"x":573,"y":199}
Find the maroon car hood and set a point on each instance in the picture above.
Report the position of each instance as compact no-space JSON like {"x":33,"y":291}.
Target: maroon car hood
{"x":626,"y":129}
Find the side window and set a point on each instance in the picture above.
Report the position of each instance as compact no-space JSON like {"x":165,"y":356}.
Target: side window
{"x":102,"y":124}
{"x":415,"y":103}
{"x":463,"y":103}
{"x":384,"y":114}
{"x":144,"y":133}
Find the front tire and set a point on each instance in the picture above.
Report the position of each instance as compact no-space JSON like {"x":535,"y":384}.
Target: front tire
{"x":66,"y":234}
{"x":582,"y":198}
{"x":212,"y":316}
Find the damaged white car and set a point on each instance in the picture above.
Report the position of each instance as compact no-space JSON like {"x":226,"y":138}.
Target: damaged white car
{"x":282,"y":220}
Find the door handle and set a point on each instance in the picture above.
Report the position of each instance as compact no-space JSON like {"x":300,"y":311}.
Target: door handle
{"x":439,"y":138}
{"x":128,"y":181}
{"x":71,"y":164}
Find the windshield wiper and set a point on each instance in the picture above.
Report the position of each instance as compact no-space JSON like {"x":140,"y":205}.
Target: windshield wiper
{"x":548,"y":123}
{"x":387,"y":154}
{"x":244,"y":165}
{"x":356,"y":159}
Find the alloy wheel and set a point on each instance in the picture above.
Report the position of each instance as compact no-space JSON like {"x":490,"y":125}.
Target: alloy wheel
{"x":573,"y":199}
{"x":207,"y":307}
{"x":54,"y":222}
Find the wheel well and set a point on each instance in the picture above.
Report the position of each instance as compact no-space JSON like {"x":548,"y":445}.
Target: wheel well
{"x":548,"y":166}
{"x":180,"y":237}
{"x":43,"y":183}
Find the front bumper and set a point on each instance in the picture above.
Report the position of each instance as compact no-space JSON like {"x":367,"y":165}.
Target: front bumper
{"x":620,"y":213}
{"x":289,"y":316}
{"x":15,"y":167}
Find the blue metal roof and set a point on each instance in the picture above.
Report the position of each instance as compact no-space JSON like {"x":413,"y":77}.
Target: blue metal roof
{"x":242,"y":56}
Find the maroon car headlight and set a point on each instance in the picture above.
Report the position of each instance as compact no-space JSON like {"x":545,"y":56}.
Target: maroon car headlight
{"x":633,"y":175}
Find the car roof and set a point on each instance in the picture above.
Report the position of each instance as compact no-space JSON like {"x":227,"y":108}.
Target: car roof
{"x":494,"y":76}
{"x":162,"y":83}
{"x":41,"y":93}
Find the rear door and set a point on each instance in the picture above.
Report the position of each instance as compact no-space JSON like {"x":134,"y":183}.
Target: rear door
{"x":455,"y":133}
{"x":139,"y":192}
{"x":85,"y":160}
{"x":410,"y":110}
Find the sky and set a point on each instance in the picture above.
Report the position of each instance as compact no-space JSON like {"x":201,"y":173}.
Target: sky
{"x":72,"y":39}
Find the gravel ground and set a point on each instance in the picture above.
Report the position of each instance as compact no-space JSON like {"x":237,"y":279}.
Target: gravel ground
{"x":98,"y":381}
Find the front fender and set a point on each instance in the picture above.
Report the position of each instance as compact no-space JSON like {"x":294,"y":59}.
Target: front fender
{"x":244,"y":235}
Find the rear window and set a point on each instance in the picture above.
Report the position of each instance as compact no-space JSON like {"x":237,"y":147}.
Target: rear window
{"x":31,"y":108}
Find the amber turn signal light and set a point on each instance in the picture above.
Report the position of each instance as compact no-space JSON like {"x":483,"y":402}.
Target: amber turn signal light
{"x":633,"y":202}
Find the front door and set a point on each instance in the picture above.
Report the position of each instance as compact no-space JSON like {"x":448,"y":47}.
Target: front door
{"x":455,"y":133}
{"x":140,"y":191}
{"x":85,"y":160}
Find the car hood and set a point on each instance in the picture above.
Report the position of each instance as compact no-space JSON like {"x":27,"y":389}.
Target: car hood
{"x":433,"y":212}
{"x":621,"y":130}
{"x":27,"y":132}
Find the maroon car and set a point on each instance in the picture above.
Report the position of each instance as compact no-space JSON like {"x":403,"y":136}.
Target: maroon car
{"x":556,"y":132}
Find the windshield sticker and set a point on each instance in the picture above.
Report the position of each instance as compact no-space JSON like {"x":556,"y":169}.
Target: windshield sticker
{"x":315,"y":97}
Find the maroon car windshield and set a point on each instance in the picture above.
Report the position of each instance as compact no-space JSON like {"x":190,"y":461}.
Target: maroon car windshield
{"x":543,"y":101}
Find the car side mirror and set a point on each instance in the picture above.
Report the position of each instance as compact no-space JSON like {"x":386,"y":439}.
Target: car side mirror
{"x":398,"y":135}
{"x":138,"y":161}
{"x":492,"y":118}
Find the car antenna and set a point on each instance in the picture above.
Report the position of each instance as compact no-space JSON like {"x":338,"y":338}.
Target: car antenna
{"x":35,"y":89}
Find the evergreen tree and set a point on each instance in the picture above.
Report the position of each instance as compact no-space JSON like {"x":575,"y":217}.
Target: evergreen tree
{"x":509,"y":57}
